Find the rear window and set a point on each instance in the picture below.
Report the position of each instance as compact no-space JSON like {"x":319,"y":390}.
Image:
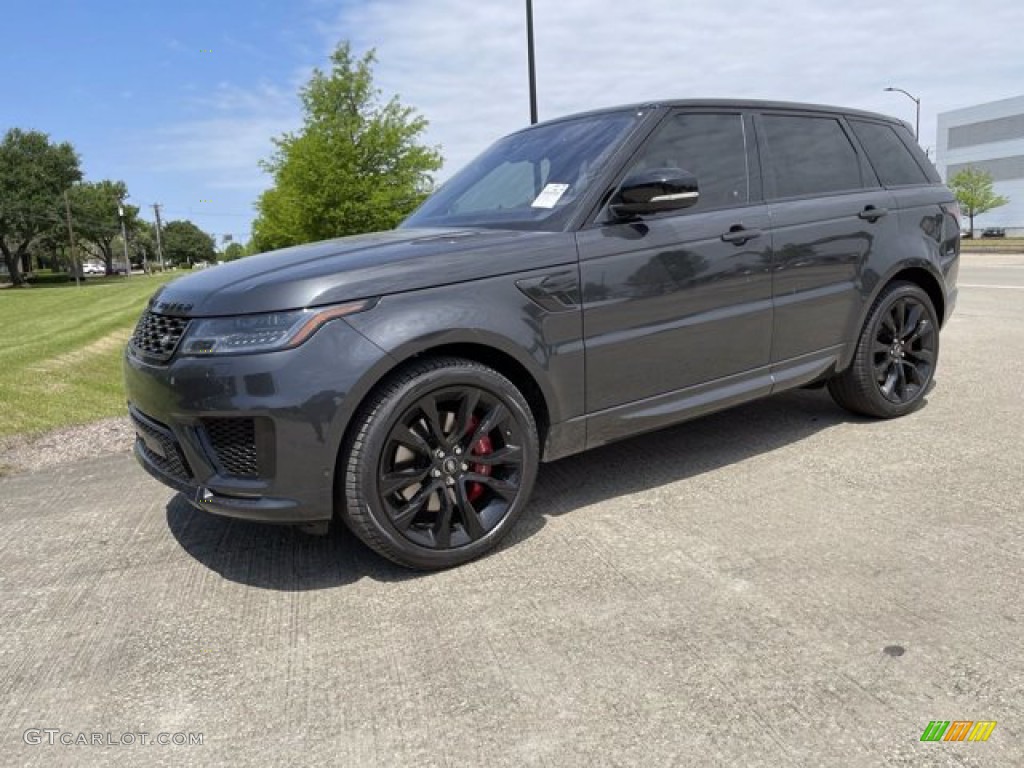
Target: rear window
{"x":888,"y":155}
{"x":809,"y":156}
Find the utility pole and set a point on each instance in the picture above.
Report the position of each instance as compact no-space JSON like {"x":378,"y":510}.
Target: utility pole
{"x":159,"y":248}
{"x":71,"y":238}
{"x":124,"y":238}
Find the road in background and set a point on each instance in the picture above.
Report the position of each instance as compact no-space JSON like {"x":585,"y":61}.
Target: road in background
{"x":996,"y":270}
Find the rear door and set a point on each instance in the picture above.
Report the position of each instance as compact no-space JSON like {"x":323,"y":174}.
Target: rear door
{"x":829,"y":215}
{"x":924,"y":205}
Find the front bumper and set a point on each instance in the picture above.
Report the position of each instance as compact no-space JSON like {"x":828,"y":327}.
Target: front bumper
{"x":294,"y":406}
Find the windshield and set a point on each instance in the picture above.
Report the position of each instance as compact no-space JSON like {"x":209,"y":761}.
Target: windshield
{"x":529,"y":180}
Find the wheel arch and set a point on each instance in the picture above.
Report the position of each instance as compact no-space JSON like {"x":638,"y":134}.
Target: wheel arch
{"x":926,"y":281}
{"x":504,"y":362}
{"x":918,"y":272}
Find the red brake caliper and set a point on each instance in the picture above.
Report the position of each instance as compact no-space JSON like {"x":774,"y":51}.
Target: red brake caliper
{"x":481,"y":447}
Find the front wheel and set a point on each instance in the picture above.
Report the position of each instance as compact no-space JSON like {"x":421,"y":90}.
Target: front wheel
{"x":442,"y":462}
{"x":895,"y":358}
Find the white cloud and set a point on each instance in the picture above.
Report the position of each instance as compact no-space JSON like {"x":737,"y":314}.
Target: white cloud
{"x":206,"y":167}
{"x":462,"y":63}
{"x":235,"y":133}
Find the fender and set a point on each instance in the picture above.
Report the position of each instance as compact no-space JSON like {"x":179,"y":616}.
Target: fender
{"x":880,"y":283}
{"x":492,"y":316}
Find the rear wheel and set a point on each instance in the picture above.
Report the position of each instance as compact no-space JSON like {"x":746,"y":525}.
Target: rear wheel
{"x":895,"y":358}
{"x":442,"y":462}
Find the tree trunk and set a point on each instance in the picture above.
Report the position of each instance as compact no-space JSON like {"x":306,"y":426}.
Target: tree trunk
{"x":107,"y":254}
{"x":12,"y":261}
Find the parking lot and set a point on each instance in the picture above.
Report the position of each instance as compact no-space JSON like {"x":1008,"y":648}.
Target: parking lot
{"x":778,"y":585}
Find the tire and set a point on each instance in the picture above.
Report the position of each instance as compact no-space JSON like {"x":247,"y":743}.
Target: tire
{"x":895,"y":358}
{"x":440,"y":464}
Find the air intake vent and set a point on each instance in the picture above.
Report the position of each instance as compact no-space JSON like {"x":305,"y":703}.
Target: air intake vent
{"x":160,"y":447}
{"x":234,"y":443}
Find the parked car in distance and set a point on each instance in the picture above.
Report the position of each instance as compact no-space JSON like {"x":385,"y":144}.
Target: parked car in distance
{"x":993,"y":232}
{"x":93,"y":268}
{"x":584,"y":280}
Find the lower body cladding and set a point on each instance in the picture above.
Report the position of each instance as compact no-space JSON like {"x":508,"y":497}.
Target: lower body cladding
{"x":251,"y":436}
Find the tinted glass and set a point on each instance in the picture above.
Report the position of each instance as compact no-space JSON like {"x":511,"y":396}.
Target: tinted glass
{"x":529,"y":180}
{"x":809,"y":156}
{"x":711,"y":147}
{"x":891,"y":160}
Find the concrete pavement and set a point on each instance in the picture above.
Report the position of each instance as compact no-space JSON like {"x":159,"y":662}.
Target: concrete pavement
{"x":778,"y":585}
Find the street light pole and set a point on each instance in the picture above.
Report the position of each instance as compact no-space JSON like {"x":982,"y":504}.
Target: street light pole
{"x":531,"y":62}
{"x":917,"y":117}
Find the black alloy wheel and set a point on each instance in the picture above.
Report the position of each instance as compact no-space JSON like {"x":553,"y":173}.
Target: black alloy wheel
{"x":442,"y":464}
{"x":895,"y":358}
{"x":903,"y":355}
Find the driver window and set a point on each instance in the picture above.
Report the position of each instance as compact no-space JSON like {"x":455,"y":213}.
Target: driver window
{"x":712,"y":147}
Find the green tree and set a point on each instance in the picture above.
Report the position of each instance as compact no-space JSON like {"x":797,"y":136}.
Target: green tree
{"x":94,"y":211}
{"x":234,"y":251}
{"x":183,"y":241}
{"x":973,"y":188}
{"x":34,"y":173}
{"x":142,"y":245}
{"x":356,"y":166}
{"x":50,"y":248}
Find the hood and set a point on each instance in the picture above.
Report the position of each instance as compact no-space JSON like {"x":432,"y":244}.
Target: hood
{"x":359,"y":267}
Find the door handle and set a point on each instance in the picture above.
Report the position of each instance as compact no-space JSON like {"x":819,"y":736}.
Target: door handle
{"x":738,"y":234}
{"x":871,"y":213}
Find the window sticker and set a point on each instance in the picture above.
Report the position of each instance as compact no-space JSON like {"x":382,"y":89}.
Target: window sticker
{"x":549,"y":196}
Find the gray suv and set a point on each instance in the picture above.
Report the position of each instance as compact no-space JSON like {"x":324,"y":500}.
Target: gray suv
{"x":582,"y":281}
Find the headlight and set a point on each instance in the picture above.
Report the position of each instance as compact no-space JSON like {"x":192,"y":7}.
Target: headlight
{"x":261,"y":333}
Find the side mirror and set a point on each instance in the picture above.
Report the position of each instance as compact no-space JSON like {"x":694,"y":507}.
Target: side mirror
{"x":654,"y":190}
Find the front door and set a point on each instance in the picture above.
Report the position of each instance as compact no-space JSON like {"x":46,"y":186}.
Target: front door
{"x":680,"y":299}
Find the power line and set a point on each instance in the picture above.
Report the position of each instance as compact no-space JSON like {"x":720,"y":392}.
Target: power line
{"x":55,"y":217}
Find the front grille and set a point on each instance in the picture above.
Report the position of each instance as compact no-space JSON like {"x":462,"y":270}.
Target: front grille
{"x":158,"y":444}
{"x":234,"y":443}
{"x":157,"y":336}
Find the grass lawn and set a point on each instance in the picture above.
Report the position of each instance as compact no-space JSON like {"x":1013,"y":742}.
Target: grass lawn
{"x":60,"y":350}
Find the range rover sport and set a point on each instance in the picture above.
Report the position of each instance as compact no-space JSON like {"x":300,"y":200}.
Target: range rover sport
{"x":582,"y":281}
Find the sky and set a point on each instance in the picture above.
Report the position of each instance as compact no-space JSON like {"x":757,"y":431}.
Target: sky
{"x":180,"y":100}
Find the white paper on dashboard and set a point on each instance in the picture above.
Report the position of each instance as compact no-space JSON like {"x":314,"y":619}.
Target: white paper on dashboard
{"x":549,"y":196}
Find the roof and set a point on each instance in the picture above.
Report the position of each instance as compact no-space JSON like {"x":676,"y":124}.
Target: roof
{"x":733,"y":104}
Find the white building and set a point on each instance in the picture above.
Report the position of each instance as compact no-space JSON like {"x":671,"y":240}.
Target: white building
{"x":989,"y":137}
